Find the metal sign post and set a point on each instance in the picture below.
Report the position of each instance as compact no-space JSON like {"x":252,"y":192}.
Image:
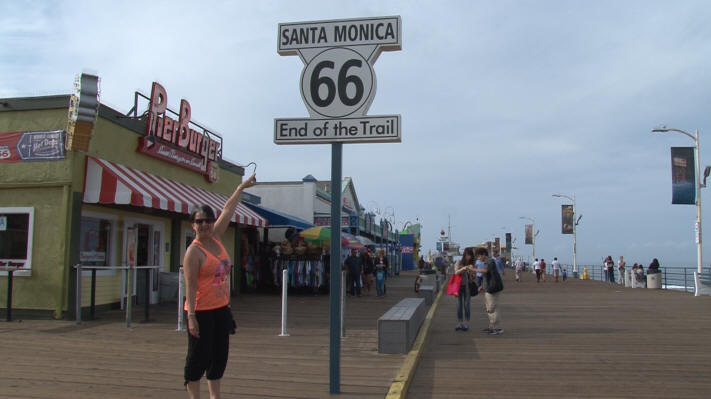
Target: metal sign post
{"x":338,"y":86}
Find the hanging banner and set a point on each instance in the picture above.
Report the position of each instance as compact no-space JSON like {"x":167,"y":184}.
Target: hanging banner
{"x":508,"y":246}
{"x":529,"y":234}
{"x":566,"y":219}
{"x":683,"y":176}
{"x":131,"y":247}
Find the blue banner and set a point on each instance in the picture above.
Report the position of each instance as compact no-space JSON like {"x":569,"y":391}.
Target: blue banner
{"x":407,"y":243}
{"x":683,"y":176}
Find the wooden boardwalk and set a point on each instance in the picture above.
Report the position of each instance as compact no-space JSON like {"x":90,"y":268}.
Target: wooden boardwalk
{"x":578,"y":339}
{"x":104,"y":359}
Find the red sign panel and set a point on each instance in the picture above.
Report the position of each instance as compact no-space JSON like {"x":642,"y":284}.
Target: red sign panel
{"x":175,"y":141}
{"x":32,"y":146}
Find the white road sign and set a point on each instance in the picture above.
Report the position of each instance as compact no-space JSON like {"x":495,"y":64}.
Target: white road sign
{"x":338,"y":80}
{"x":366,"y":129}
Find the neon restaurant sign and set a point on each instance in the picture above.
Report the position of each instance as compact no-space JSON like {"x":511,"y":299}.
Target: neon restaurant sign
{"x":175,"y":140}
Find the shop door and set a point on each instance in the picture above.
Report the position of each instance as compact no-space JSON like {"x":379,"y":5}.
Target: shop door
{"x":148,"y":253}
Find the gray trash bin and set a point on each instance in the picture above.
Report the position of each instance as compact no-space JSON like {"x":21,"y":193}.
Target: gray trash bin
{"x":654,"y":281}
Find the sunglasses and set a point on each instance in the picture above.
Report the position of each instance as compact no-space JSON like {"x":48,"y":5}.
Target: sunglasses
{"x":205,"y":221}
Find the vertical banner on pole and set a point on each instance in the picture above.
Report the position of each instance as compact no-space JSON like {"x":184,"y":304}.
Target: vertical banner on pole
{"x":529,"y":234}
{"x":683,"y":176}
{"x":338,"y":86}
{"x":508,"y":247}
{"x":566,"y":219}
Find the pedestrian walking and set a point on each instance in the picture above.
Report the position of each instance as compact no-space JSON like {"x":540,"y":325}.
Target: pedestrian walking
{"x":543,"y":270}
{"x":499,"y":263}
{"x":565,"y":274}
{"x":519,"y":268}
{"x":381,"y":268}
{"x":537,"y":270}
{"x":368,"y":271}
{"x":492,"y":287}
{"x":556,"y":268}
{"x":354,"y":266}
{"x":465,"y":268}
{"x":207,"y":268}
{"x":621,"y":269}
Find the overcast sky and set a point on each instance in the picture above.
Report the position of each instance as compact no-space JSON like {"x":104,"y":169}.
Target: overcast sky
{"x":503,"y":104}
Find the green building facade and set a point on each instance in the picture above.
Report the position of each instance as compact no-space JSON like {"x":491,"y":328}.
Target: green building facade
{"x":60,"y":207}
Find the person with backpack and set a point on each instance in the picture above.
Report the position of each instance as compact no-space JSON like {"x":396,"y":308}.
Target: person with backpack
{"x":492,"y":285}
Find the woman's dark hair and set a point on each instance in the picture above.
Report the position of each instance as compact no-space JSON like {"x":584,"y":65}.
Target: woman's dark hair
{"x":205,"y":209}
{"x":481,"y":251}
{"x":468,"y":251}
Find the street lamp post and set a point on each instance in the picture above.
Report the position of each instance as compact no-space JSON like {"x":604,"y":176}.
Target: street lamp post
{"x":533,"y":233}
{"x":699,"y":186}
{"x":575,"y":239}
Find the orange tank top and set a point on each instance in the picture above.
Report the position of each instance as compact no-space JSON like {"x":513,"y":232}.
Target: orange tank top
{"x":213,"y":285}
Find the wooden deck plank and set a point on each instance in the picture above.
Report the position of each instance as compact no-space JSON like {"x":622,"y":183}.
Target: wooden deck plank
{"x":580,"y":339}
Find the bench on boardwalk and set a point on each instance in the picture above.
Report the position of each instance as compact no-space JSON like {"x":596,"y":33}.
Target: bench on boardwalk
{"x":398,"y":327}
{"x":703,"y":283}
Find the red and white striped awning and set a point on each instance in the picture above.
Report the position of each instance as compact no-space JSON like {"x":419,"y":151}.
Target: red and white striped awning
{"x":108,"y":182}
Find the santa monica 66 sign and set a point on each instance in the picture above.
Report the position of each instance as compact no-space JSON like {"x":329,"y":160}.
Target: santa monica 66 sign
{"x":338,"y":80}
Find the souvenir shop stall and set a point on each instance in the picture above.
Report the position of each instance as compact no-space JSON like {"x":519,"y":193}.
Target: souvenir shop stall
{"x":307,"y":264}
{"x":282,"y":248}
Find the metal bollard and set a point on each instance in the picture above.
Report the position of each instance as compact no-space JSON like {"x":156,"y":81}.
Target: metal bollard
{"x":129,"y":295}
{"x":8,"y":316}
{"x":284,"y":293}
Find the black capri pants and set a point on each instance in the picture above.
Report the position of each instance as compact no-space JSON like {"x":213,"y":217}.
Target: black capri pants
{"x":208,"y":354}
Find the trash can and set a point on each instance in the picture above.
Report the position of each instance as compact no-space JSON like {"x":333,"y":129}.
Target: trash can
{"x":654,"y":281}
{"x":628,"y":278}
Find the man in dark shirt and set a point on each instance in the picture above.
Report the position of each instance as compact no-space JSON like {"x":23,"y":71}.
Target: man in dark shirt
{"x":354,"y":265}
{"x":492,"y":287}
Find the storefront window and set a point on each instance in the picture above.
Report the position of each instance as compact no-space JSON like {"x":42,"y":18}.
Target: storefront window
{"x":16,"y":226}
{"x":95,"y":241}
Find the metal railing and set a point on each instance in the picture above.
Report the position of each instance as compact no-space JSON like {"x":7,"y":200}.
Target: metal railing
{"x":10,"y":271}
{"x":126,"y":287}
{"x":673,"y":278}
